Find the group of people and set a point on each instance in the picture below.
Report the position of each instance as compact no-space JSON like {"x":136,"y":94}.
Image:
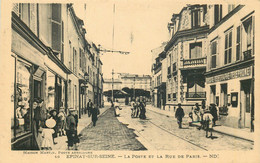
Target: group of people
{"x":206,"y":116}
{"x":58,"y":123}
{"x":138,"y":109}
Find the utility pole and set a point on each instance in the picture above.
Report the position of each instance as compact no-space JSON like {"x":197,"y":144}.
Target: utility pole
{"x":113,"y":85}
{"x":134,"y":88}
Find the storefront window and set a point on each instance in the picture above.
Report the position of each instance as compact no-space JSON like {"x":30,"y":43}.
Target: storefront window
{"x":22,"y":112}
{"x":12,"y":96}
{"x":50,"y":90}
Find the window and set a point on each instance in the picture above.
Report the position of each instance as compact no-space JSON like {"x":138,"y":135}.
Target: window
{"x":21,"y":121}
{"x":70,"y":56}
{"x":213,"y":49}
{"x":56,"y":27}
{"x":195,"y":86}
{"x":169,"y":97}
{"x":228,"y":47}
{"x":51,"y":90}
{"x":62,"y":42}
{"x":238,"y":43}
{"x":74,"y":60}
{"x":195,"y":18}
{"x":80,"y":58}
{"x":248,"y":29}
{"x":217,"y":13}
{"x":223,"y":95}
{"x":25,"y":13}
{"x":213,"y":94}
{"x":195,"y":50}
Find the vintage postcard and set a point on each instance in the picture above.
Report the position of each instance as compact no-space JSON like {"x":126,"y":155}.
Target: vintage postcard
{"x":129,"y":80}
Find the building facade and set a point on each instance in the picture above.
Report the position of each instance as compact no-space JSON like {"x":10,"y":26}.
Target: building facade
{"x":230,"y":70}
{"x":128,"y":81}
{"x":49,"y":56}
{"x":159,"y":77}
{"x":186,"y":57}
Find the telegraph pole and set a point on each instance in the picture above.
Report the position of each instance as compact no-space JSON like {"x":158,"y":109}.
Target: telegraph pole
{"x":113,"y":85}
{"x":134,"y":88}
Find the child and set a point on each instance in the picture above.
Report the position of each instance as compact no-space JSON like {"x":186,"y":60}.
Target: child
{"x":208,"y":119}
{"x":47,"y":142}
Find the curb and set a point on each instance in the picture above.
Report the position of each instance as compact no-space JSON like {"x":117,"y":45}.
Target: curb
{"x":214,"y":130}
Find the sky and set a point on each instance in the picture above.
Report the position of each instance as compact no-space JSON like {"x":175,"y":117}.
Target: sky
{"x":139,"y":27}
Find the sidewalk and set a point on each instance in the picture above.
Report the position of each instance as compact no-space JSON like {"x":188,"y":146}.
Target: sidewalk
{"x":238,"y":133}
{"x":83,"y":122}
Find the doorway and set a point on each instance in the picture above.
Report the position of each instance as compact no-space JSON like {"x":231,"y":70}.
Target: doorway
{"x":246,"y":103}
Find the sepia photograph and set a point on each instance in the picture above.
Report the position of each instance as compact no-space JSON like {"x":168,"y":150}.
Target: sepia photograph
{"x":121,"y":79}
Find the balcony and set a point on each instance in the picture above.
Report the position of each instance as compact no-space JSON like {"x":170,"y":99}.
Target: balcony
{"x":247,"y":54}
{"x":195,"y":94}
{"x":194,"y":62}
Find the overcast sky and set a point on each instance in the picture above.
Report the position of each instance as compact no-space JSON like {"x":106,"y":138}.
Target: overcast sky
{"x":139,"y":27}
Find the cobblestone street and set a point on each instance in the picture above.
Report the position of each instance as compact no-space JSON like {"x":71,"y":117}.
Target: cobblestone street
{"x":109,"y":134}
{"x":162,"y":133}
{"x":157,"y":132}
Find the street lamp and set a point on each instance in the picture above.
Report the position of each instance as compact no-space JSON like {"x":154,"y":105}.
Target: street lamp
{"x":84,"y":87}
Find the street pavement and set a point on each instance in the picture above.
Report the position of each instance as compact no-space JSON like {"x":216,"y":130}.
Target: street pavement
{"x":162,"y":133}
{"x":157,"y":132}
{"x":109,"y":134}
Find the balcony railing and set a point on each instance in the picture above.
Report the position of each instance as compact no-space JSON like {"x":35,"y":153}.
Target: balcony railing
{"x":195,"y":62}
{"x":195,"y":94}
{"x":247,"y":54}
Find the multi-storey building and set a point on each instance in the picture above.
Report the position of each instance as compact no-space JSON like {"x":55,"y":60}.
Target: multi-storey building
{"x":50,"y":56}
{"x":186,"y":57}
{"x":135,"y":81}
{"x":230,"y":68}
{"x":159,"y":77}
{"x":128,"y":81}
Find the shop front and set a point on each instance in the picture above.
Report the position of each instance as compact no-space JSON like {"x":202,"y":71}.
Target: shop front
{"x":233,"y":92}
{"x":28,"y":83}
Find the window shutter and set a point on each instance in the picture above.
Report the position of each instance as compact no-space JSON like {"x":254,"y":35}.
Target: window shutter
{"x":33,"y":24}
{"x":16,"y":9}
{"x":56,"y":27}
{"x":253,"y":35}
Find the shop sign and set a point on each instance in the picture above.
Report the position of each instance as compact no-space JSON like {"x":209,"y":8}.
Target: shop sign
{"x":230,"y":75}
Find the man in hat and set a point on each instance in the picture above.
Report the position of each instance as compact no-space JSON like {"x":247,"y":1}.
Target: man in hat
{"x":179,"y":114}
{"x":71,"y":129}
{"x":89,"y":107}
{"x":42,"y":112}
{"x":95,"y":112}
{"x":214,"y":113}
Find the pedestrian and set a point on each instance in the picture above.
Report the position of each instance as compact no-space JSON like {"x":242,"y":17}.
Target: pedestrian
{"x":179,"y":114}
{"x":53,"y":114}
{"x":132,"y":109}
{"x":142,"y":110}
{"x":61,"y":122}
{"x":42,"y":112}
{"x":76,"y":137}
{"x":214,"y":113}
{"x":36,"y":113}
{"x":95,"y":112}
{"x":208,"y":118}
{"x":89,"y":107}
{"x":47,"y":132}
{"x":117,"y":108}
{"x":137,"y":113}
{"x":71,"y":128}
